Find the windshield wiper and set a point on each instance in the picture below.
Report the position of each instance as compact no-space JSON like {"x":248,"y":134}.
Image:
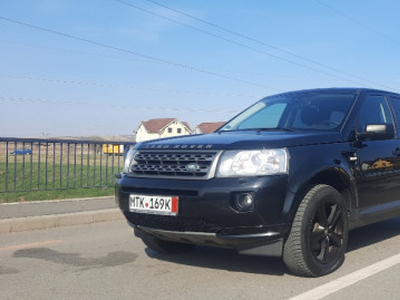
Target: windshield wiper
{"x":260,"y":129}
{"x":276,"y":129}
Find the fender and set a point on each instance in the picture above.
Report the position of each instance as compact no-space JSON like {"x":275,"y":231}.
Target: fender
{"x":326,"y":165}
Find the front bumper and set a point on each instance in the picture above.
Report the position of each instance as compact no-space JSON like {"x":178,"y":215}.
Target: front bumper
{"x":266,"y":244}
{"x":207,"y":215}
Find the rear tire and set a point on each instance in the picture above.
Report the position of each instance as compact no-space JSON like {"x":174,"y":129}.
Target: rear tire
{"x":166,"y":247}
{"x":318,"y":237}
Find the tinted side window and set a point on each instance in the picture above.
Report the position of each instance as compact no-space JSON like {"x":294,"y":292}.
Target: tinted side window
{"x":374,"y":110}
{"x":395,"y":102}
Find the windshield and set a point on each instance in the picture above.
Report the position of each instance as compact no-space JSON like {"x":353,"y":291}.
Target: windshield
{"x":302,"y":111}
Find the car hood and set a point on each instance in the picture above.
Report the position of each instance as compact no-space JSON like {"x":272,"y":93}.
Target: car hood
{"x":243,"y":140}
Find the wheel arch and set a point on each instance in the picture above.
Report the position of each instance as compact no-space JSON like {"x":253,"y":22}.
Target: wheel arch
{"x":336,"y":177}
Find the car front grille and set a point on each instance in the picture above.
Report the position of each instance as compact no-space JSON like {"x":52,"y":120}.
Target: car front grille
{"x":180,"y":224}
{"x":167,"y":164}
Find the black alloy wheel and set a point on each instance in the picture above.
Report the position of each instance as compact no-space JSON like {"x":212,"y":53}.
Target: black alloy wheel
{"x":327,"y":232}
{"x":318,"y":238}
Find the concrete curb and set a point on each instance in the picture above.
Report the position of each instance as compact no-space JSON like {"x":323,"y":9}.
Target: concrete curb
{"x":60,"y":220}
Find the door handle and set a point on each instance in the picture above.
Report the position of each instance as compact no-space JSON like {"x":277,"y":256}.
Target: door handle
{"x":396,"y":151}
{"x":351,"y":156}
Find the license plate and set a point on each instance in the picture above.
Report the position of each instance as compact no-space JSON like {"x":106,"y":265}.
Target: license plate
{"x":153,"y":204}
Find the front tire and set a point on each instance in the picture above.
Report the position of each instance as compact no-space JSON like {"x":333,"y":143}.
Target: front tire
{"x":318,"y":237}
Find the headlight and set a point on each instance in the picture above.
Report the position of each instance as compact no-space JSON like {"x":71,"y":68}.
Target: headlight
{"x":129,"y":159}
{"x":253,"y":163}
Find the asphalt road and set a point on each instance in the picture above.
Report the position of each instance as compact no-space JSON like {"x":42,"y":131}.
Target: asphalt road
{"x":105,"y":261}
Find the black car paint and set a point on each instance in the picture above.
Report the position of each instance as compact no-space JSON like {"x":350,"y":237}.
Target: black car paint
{"x":334,"y":158}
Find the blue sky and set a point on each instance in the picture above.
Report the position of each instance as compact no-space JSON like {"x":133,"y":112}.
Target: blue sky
{"x":73,"y":68}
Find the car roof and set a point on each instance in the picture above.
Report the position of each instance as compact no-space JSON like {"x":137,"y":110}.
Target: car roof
{"x":337,"y":90}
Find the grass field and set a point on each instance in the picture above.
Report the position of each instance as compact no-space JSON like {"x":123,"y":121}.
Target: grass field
{"x":54,"y":195}
{"x":27,"y":178}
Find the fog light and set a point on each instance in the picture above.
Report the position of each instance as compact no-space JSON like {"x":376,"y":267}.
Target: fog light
{"x":244,"y":202}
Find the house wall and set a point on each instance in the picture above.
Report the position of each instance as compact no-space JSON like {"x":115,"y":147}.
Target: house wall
{"x":169,"y":131}
{"x":197,"y":131}
{"x":143,"y":135}
{"x":173,"y":127}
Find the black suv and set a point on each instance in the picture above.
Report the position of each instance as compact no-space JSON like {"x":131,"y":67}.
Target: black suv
{"x":289,"y":176}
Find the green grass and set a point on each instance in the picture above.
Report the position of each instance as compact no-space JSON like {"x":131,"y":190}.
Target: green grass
{"x":28,"y":180}
{"x":55,"y":195}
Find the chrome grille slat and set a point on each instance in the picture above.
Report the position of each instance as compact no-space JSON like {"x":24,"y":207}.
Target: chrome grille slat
{"x":173,"y":164}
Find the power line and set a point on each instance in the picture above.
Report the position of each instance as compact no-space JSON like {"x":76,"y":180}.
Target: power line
{"x":258,"y":42}
{"x":114,"y":106}
{"x":79,"y":52}
{"x":246,"y":72}
{"x":69,"y":51}
{"x":161,"y":60}
{"x":235,"y":42}
{"x":121,"y":86}
{"x":354,"y":20}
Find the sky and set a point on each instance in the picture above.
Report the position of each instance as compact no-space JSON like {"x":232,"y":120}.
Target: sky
{"x":81,"y":68}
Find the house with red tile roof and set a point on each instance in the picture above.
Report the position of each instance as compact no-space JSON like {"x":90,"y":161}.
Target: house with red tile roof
{"x":207,"y":127}
{"x":161,"y":128}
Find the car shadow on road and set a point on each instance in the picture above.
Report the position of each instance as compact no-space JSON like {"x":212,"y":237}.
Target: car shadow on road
{"x":230,"y":260}
{"x":372,"y":234}
{"x":224,"y":259}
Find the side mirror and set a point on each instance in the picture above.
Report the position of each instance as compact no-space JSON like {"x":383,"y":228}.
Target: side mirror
{"x":377,"y":132}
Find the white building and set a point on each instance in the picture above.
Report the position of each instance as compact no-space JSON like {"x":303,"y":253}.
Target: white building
{"x":161,"y":128}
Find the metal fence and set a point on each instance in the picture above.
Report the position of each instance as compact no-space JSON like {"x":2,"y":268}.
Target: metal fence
{"x":44,"y":164}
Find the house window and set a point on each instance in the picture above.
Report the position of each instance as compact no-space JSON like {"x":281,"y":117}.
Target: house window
{"x":169,"y":130}
{"x":179,"y":130}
